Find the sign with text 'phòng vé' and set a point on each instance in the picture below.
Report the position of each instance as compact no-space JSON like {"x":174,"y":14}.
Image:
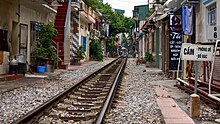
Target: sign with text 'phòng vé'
{"x":197,"y":52}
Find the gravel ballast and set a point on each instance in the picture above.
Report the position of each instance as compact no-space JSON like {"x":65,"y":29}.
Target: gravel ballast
{"x":19,"y":101}
{"x":138,"y":103}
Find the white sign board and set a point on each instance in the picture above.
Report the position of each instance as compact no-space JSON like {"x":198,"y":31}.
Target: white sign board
{"x":197,"y":52}
{"x":213,"y":33}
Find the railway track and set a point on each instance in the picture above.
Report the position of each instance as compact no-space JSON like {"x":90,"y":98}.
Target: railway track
{"x":210,"y":102}
{"x":86,"y":102}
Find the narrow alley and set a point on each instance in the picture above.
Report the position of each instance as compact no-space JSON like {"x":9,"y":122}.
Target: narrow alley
{"x":110,"y":61}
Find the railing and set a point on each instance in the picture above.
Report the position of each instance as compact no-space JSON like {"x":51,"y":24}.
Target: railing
{"x":67,"y":21}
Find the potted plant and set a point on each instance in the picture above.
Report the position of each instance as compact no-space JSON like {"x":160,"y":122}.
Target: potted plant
{"x":44,"y":51}
{"x":95,"y":50}
{"x":149,"y":59}
{"x":79,"y":56}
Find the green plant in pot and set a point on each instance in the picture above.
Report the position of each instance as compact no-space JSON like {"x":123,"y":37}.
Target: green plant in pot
{"x":44,"y":51}
{"x":79,"y":56}
{"x":95,"y":50}
{"x":80,"y":53}
{"x":149,"y":59}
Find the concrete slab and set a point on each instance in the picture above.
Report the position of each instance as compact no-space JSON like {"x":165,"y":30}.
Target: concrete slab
{"x":35,"y":76}
{"x":171,"y":112}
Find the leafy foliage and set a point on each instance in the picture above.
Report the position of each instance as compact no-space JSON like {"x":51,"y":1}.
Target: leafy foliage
{"x":80,"y":53}
{"x":148,"y":57}
{"x":44,"y":48}
{"x":110,"y":45}
{"x":118,"y":22}
{"x":95,"y":50}
{"x":151,"y":11}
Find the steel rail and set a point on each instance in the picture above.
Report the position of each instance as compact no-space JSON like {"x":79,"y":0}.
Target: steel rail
{"x":39,"y":111}
{"x":111,"y":94}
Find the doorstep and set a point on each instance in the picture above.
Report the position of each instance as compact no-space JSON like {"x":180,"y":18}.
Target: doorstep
{"x":10,"y":77}
{"x":14,"y":77}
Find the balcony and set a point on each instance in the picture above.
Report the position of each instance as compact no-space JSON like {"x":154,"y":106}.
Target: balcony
{"x":40,"y":5}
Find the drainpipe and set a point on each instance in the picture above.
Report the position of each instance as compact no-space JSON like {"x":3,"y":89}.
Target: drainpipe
{"x":163,"y":46}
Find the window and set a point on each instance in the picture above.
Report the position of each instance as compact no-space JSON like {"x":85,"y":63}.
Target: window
{"x":212,"y":15}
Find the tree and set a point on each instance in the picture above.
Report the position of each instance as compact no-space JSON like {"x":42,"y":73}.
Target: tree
{"x":44,"y":50}
{"x":118,"y":22}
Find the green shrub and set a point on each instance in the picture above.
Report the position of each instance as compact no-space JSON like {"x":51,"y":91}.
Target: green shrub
{"x":148,"y":57}
{"x":95,"y":50}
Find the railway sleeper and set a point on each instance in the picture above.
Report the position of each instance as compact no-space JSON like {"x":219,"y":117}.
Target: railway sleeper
{"x":99,"y":86}
{"x":108,"y":84}
{"x":95,"y":88}
{"x":54,"y":115}
{"x":87,"y":122}
{"x":96,"y":108}
{"x":88,"y":100}
{"x":83,"y":105}
{"x":77,"y":93}
{"x":100,"y":83}
{"x":93,"y":92}
{"x":68,"y":101}
{"x":103,"y":94}
{"x":79,"y":110}
{"x":91,"y":116}
{"x":73,"y":96}
{"x":90,"y":95}
{"x":85,"y":87}
{"x":75,"y":118}
{"x":101,"y":98}
{"x":98,"y":103}
{"x":89,"y":85}
{"x":82,"y":90}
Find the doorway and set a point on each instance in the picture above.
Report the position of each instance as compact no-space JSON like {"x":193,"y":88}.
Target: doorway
{"x":23,"y":39}
{"x":15,"y":38}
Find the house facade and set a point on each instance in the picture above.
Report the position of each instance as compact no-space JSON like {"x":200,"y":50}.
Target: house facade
{"x":84,"y":22}
{"x":18,"y":20}
{"x":160,"y":40}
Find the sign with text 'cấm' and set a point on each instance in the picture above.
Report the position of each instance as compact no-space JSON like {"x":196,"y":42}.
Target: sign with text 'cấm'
{"x":197,"y":52}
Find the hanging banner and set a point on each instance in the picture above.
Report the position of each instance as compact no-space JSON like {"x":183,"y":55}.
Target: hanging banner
{"x":174,"y":50}
{"x":175,"y":23}
{"x":175,"y":41}
{"x":197,"y":52}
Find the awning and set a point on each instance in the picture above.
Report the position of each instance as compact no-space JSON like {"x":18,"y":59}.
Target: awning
{"x":40,"y":5}
{"x":49,"y":9}
{"x":162,"y":17}
{"x":172,"y":3}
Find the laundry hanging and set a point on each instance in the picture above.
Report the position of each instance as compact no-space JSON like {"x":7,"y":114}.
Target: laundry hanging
{"x":187,"y":20}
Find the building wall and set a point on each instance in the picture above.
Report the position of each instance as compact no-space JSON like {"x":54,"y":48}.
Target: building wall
{"x":202,"y":19}
{"x":27,"y":14}
{"x":8,"y":12}
{"x":84,"y":32}
{"x":12,"y":15}
{"x":74,"y":34}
